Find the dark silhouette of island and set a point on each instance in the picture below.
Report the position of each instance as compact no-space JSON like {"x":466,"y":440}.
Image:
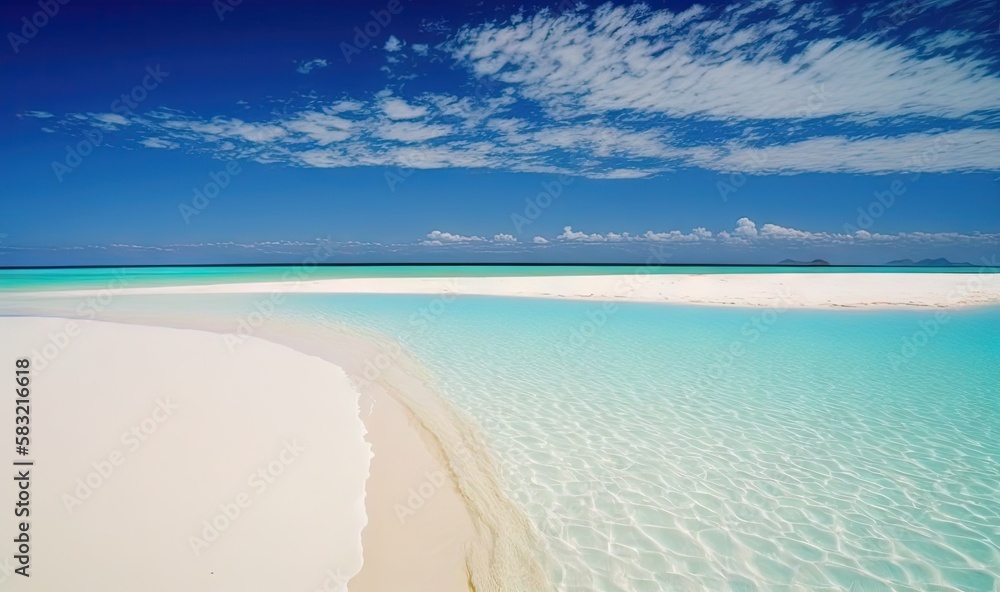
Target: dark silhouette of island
{"x":940,"y":262}
{"x":813,"y":262}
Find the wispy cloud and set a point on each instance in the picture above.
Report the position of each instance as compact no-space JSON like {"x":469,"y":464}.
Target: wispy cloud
{"x":765,"y":87}
{"x":310,"y":65}
{"x":159,"y":143}
{"x":964,"y":150}
{"x":726,"y":63}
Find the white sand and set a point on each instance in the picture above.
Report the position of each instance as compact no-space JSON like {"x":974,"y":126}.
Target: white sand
{"x":434,"y":514}
{"x":793,"y":290}
{"x":212,"y":418}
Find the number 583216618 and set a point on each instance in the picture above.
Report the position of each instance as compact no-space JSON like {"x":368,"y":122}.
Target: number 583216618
{"x":22,"y":414}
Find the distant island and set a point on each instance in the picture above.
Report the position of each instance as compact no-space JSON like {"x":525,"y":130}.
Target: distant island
{"x":940,"y":262}
{"x":813,"y":262}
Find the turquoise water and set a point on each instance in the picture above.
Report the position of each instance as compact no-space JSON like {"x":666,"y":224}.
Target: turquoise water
{"x":834,"y":451}
{"x":719,"y":449}
{"x":136,"y":277}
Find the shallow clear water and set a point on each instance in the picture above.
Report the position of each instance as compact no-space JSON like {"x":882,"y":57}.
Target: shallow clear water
{"x":834,"y":450}
{"x":661,"y":447}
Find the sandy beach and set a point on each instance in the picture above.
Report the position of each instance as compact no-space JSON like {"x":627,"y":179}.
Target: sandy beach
{"x":791,"y":290}
{"x":393,"y":490}
{"x":158,"y":452}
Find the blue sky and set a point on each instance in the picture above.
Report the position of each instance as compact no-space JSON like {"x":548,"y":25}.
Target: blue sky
{"x":395,"y":131}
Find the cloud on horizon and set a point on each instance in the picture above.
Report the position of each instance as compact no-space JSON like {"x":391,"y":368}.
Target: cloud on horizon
{"x":745,"y":233}
{"x":745,"y":237}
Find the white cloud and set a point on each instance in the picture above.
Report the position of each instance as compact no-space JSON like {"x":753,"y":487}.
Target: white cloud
{"x":439,"y":157}
{"x":780,"y":232}
{"x":698,"y":234}
{"x":395,"y":108}
{"x":621,"y":93}
{"x":747,"y":233}
{"x":437,"y":238}
{"x":570,"y":235}
{"x":36,"y":114}
{"x":442,"y":134}
{"x":393,"y":44}
{"x":111,"y":119}
{"x":420,"y":48}
{"x":625,"y":174}
{"x":447,"y":237}
{"x":323,"y":128}
{"x":159,"y":143}
{"x":345,"y":105}
{"x":309,"y":66}
{"x":221,"y":127}
{"x":963,"y":150}
{"x":745,"y":229}
{"x":947,"y":40}
{"x":721,"y":64}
